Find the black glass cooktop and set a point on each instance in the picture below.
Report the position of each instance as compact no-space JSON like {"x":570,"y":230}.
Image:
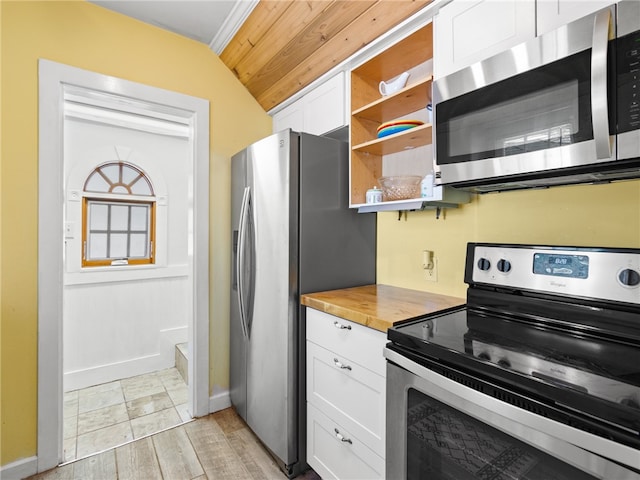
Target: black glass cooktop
{"x":597,"y":376}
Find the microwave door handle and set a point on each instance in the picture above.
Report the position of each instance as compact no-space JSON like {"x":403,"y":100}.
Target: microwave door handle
{"x":599,"y":109}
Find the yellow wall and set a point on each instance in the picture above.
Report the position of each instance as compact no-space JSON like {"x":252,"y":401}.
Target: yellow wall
{"x":87,"y":36}
{"x":605,"y":215}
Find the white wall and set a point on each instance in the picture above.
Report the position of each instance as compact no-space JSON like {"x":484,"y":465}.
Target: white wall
{"x":124,"y":321}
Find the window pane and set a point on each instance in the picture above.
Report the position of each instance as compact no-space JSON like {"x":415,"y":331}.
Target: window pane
{"x":138,"y":245}
{"x":118,"y":247}
{"x":112,"y":172}
{"x":97,"y":247}
{"x":119,"y":217}
{"x":98,"y":215}
{"x":139,"y":220}
{"x":97,"y":184}
{"x":141,"y":187}
{"x":129,"y":174}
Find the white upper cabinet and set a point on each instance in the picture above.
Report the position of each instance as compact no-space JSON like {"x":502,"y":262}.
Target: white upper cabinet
{"x":325,"y":106}
{"x":321,"y":110}
{"x":290,"y":117}
{"x":552,"y":14}
{"x":467,"y":31}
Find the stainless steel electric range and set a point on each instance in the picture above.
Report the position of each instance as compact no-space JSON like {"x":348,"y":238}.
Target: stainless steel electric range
{"x":536,"y":377}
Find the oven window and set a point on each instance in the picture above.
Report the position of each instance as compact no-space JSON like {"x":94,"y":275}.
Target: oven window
{"x":544,"y":108}
{"x":443,"y":443}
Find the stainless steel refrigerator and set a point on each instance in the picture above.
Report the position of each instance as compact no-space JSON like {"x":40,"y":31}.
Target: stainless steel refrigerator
{"x":292,"y":233}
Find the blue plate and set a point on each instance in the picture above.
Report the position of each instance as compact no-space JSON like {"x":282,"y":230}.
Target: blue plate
{"x":384,"y":132}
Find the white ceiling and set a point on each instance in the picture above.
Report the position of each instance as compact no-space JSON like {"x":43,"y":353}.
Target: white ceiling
{"x":212,"y":22}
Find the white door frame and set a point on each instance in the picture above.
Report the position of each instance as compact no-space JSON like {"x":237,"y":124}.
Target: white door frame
{"x":52,"y":79}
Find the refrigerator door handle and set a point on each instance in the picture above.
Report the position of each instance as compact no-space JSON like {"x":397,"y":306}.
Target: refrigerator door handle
{"x":240,"y":265}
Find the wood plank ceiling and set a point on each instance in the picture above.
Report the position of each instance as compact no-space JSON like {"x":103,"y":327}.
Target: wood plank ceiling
{"x":284,"y":45}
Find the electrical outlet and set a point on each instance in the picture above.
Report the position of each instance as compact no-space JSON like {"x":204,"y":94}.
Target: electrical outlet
{"x":432,"y":273}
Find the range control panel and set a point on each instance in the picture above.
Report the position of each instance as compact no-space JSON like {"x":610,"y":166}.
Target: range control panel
{"x":596,"y":273}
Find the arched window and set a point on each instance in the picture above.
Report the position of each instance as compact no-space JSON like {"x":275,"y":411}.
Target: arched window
{"x":118,"y":216}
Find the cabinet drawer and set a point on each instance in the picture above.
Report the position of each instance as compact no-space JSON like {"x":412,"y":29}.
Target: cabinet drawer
{"x":361,"y":344}
{"x":348,"y":393}
{"x":334,"y":458}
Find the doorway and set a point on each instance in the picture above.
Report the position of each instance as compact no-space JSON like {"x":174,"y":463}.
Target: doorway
{"x":127,"y":292}
{"x":128,"y":100}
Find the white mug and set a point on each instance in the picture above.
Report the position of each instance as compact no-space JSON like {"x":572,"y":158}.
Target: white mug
{"x":392,"y":86}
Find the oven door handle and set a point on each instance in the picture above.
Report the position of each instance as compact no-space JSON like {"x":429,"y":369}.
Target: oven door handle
{"x":599,"y":107}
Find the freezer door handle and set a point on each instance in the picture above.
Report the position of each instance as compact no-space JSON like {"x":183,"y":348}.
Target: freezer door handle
{"x":242,"y":259}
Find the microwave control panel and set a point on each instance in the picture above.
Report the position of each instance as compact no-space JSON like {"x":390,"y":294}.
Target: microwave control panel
{"x":628,"y":82}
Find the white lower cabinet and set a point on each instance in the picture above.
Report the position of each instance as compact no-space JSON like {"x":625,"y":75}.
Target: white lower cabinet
{"x":346,"y":398}
{"x":333,"y":458}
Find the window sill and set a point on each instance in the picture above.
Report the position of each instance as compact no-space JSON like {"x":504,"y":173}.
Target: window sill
{"x":124,"y":273}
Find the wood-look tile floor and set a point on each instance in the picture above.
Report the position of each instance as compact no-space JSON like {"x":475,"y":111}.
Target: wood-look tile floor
{"x":219,"y":446}
{"x":104,"y":416}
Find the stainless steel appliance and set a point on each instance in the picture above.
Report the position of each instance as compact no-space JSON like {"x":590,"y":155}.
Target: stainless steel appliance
{"x":536,"y":377}
{"x":562,"y":108}
{"x":293,"y":233}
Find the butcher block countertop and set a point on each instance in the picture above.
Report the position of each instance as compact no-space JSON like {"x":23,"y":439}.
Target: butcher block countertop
{"x":378,"y":306}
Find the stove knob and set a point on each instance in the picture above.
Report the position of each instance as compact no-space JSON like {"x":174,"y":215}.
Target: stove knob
{"x":484,"y":264}
{"x":504,"y":265}
{"x":504,"y":363}
{"x":484,"y":356}
{"x":629,"y":277}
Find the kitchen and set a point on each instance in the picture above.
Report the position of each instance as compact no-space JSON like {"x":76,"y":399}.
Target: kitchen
{"x":604,"y":215}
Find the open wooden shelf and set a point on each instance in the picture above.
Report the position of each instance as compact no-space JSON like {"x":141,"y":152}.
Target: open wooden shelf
{"x":398,"y":142}
{"x":369,"y":109}
{"x":400,"y":103}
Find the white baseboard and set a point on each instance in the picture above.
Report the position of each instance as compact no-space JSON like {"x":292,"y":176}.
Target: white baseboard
{"x":165,"y":358}
{"x":219,"y":401}
{"x":115,"y":371}
{"x":19,"y":469}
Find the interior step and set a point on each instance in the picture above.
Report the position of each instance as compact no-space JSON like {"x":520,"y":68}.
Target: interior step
{"x":182,"y":361}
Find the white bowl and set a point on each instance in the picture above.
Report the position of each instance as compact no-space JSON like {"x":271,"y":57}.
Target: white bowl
{"x":400,"y":187}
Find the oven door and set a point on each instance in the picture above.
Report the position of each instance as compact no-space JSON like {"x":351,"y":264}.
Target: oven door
{"x":438,"y":428}
{"x":533,"y":112}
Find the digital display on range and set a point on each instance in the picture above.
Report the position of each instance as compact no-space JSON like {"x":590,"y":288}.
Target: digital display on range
{"x":572,"y":266}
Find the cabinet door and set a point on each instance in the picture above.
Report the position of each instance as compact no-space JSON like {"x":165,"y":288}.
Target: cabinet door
{"x":290,"y":117}
{"x":325,"y":107}
{"x":322,"y":110}
{"x":467,"y":31}
{"x":552,"y":14}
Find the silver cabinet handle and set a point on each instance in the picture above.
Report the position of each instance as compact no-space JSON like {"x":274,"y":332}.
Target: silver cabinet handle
{"x":340,"y":437}
{"x":341,"y":327}
{"x":339,"y":364}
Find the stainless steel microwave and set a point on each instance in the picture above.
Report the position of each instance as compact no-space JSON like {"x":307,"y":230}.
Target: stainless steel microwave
{"x":562,"y":108}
